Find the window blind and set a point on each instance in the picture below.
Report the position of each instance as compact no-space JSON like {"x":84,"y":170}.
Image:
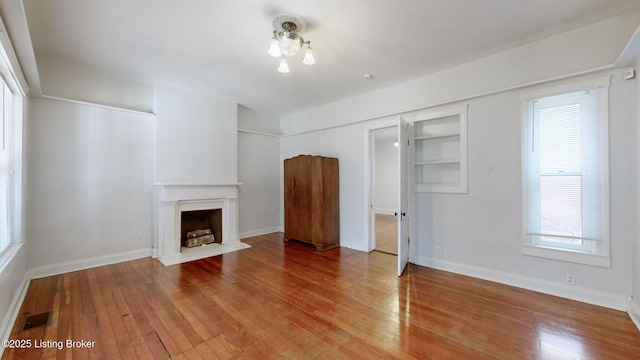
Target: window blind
{"x":563,"y":171}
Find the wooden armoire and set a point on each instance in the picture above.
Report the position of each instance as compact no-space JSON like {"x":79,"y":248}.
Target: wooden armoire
{"x":311,"y":201}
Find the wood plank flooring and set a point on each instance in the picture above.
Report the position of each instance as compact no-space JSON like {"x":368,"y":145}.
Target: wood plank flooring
{"x":387,"y":233}
{"x":289,"y":301}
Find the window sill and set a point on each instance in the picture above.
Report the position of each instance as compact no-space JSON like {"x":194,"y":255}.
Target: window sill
{"x":569,"y":256}
{"x":8,"y":254}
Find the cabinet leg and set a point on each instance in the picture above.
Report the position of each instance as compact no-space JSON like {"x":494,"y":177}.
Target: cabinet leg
{"x":325,"y":247}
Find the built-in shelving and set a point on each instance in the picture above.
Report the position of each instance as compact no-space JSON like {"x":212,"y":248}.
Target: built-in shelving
{"x":439,"y":151}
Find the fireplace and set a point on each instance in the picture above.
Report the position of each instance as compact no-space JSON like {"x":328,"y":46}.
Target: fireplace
{"x":199,"y":220}
{"x":181,"y":207}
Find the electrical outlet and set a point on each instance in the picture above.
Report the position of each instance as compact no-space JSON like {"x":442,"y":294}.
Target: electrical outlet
{"x":140,"y":235}
{"x":570,"y":279}
{"x":438,"y":250}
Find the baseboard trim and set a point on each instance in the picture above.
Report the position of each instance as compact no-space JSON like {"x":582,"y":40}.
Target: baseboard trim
{"x":634,"y":312}
{"x":385,"y":211}
{"x":14,"y":310}
{"x":258,"y":232}
{"x":65,"y":267}
{"x":354,"y":245}
{"x":611,"y":301}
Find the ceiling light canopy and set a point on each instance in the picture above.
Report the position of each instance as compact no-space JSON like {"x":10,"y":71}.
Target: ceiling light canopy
{"x":287,"y":40}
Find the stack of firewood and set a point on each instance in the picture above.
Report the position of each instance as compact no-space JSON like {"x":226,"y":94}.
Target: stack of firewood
{"x":199,"y":237}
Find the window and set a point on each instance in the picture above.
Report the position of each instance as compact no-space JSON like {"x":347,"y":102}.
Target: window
{"x":5,"y":166}
{"x":565,"y":173}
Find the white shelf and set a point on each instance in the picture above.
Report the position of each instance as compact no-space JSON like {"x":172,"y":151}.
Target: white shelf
{"x":434,"y":137}
{"x":436,"y":162}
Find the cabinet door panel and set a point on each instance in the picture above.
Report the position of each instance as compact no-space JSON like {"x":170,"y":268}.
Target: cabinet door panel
{"x":297,"y":199}
{"x":331,"y":206}
{"x":289,"y":209}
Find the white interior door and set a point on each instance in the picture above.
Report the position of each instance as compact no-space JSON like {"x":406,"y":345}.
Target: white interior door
{"x":403,"y":195}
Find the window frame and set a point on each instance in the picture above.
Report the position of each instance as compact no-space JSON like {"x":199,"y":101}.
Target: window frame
{"x":597,"y":253}
{"x":6,"y":151}
{"x":16,"y":86}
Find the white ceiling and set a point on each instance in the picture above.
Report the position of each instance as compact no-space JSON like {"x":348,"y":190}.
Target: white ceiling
{"x":220,"y":46}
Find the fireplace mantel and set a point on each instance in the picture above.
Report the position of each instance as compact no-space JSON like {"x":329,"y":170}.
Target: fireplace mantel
{"x":173,"y":198}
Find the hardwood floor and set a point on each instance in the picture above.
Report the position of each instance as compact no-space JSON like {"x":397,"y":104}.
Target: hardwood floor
{"x":387,"y":234}
{"x":289,"y":301}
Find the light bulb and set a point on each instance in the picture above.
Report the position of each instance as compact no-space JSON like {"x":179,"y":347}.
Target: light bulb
{"x":274,"y":49}
{"x":308,"y":57}
{"x":283,"y":68}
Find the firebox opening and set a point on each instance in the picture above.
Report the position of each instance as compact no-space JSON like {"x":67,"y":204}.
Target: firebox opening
{"x":191,"y":221}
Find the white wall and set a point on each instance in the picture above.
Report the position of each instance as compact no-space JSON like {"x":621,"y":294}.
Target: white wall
{"x":258,"y":172}
{"x":197,"y":138}
{"x":90,"y":182}
{"x":68,"y":81}
{"x":252,"y":120}
{"x":92,"y":170}
{"x":386,"y":176}
{"x":479,"y":232}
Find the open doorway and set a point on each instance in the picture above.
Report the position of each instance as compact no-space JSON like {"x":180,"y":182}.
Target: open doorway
{"x":385,"y":189}
{"x":399,"y":207}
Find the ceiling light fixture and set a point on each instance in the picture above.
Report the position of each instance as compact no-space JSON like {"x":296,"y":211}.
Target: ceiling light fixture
{"x":287,"y":40}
